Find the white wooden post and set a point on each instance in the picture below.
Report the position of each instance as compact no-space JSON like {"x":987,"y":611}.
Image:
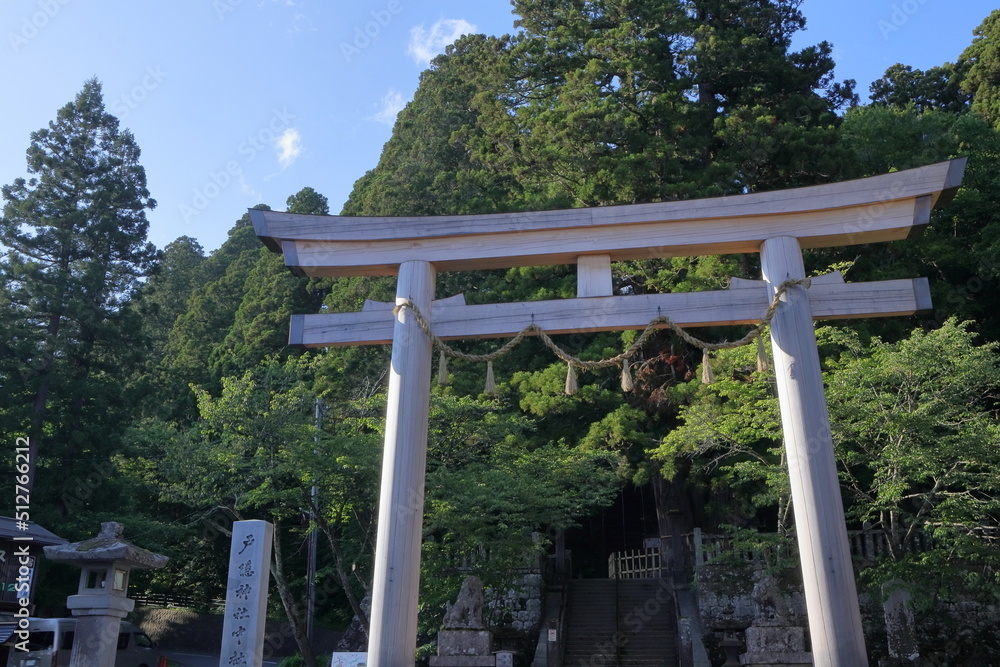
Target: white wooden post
{"x":393,"y":637}
{"x":593,"y":276}
{"x":827,"y":573}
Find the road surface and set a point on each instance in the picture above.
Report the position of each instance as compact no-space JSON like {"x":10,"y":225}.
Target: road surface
{"x":196,"y":660}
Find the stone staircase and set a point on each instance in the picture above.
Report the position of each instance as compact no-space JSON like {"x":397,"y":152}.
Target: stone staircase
{"x":632,"y":624}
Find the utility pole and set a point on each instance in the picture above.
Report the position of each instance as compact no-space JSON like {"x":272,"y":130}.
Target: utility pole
{"x":313,"y":536}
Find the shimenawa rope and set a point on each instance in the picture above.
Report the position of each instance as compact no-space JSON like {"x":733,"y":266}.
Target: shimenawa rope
{"x":617,"y":360}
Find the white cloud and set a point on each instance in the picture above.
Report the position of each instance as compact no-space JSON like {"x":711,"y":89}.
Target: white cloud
{"x":392,"y":103}
{"x":288,"y":146}
{"x":255,"y":195}
{"x":425,"y":44}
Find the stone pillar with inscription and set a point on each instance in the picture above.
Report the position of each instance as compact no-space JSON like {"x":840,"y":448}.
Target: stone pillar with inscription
{"x":246,"y":595}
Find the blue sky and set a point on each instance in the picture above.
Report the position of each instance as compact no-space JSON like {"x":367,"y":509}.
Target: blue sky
{"x":239,"y":102}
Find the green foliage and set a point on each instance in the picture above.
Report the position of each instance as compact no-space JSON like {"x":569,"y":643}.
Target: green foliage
{"x":492,"y":494}
{"x":270,"y":295}
{"x":916,"y":428}
{"x":163,"y":298}
{"x":629,"y":432}
{"x":982,"y":80}
{"x":243,"y":445}
{"x":957,"y":251}
{"x":939,"y":88}
{"x":750,"y":549}
{"x":425,"y":168}
{"x":296,"y":660}
{"x":198,"y":333}
{"x":891,"y":139}
{"x":309,"y":202}
{"x":74,"y":236}
{"x":634,"y":102}
{"x":255,"y":452}
{"x":729,"y":437}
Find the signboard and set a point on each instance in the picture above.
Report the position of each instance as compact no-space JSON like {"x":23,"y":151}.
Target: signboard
{"x":349,"y":660}
{"x":9,"y":574}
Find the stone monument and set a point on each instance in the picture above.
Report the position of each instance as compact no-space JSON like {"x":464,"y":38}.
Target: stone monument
{"x":101,"y":603}
{"x":772,"y":639}
{"x":900,"y":628}
{"x":246,"y":594}
{"x":464,"y":642}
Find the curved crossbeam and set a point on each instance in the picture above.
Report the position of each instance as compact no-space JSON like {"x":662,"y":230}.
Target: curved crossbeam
{"x":882,"y":208}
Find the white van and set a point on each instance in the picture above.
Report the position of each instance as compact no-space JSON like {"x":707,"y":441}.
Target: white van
{"x":51,"y":639}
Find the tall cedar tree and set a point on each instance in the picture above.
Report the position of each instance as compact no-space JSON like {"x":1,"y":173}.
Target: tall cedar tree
{"x":611,"y":102}
{"x":982,"y":59}
{"x":199,"y":331}
{"x":75,"y":240}
{"x":617,"y":101}
{"x":270,"y":295}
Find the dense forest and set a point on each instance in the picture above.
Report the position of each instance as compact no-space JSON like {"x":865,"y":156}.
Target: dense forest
{"x":157,"y":388}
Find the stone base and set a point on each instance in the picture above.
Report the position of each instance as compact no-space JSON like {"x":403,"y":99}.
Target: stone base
{"x":775,"y":639}
{"x":463,"y":661}
{"x":897,"y":662}
{"x":465,"y":643}
{"x":770,"y":659}
{"x":776,"y":645}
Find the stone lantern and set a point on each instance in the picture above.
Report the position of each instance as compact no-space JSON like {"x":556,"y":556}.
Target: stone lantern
{"x":101,"y":602}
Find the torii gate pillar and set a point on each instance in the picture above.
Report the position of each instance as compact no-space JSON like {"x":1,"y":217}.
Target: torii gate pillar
{"x":396,"y":584}
{"x":827,"y":573}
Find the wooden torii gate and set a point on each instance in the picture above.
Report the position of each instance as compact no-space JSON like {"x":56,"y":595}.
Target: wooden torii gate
{"x":778,"y":225}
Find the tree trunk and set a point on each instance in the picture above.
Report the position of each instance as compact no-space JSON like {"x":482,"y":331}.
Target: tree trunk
{"x":40,"y":406}
{"x":342,"y":575}
{"x":675,"y":516}
{"x":292,"y":610}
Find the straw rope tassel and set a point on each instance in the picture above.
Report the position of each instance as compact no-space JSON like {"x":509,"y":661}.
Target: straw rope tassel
{"x":707,"y":377}
{"x":571,"y":385}
{"x":627,"y":384}
{"x":442,"y":369}
{"x":763,"y":361}
{"x":491,"y":383}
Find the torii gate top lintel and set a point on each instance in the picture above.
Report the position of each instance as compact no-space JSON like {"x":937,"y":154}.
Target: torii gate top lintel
{"x":880,"y":208}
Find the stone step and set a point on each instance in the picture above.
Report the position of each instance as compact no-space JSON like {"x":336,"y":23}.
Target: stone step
{"x":641,"y":612}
